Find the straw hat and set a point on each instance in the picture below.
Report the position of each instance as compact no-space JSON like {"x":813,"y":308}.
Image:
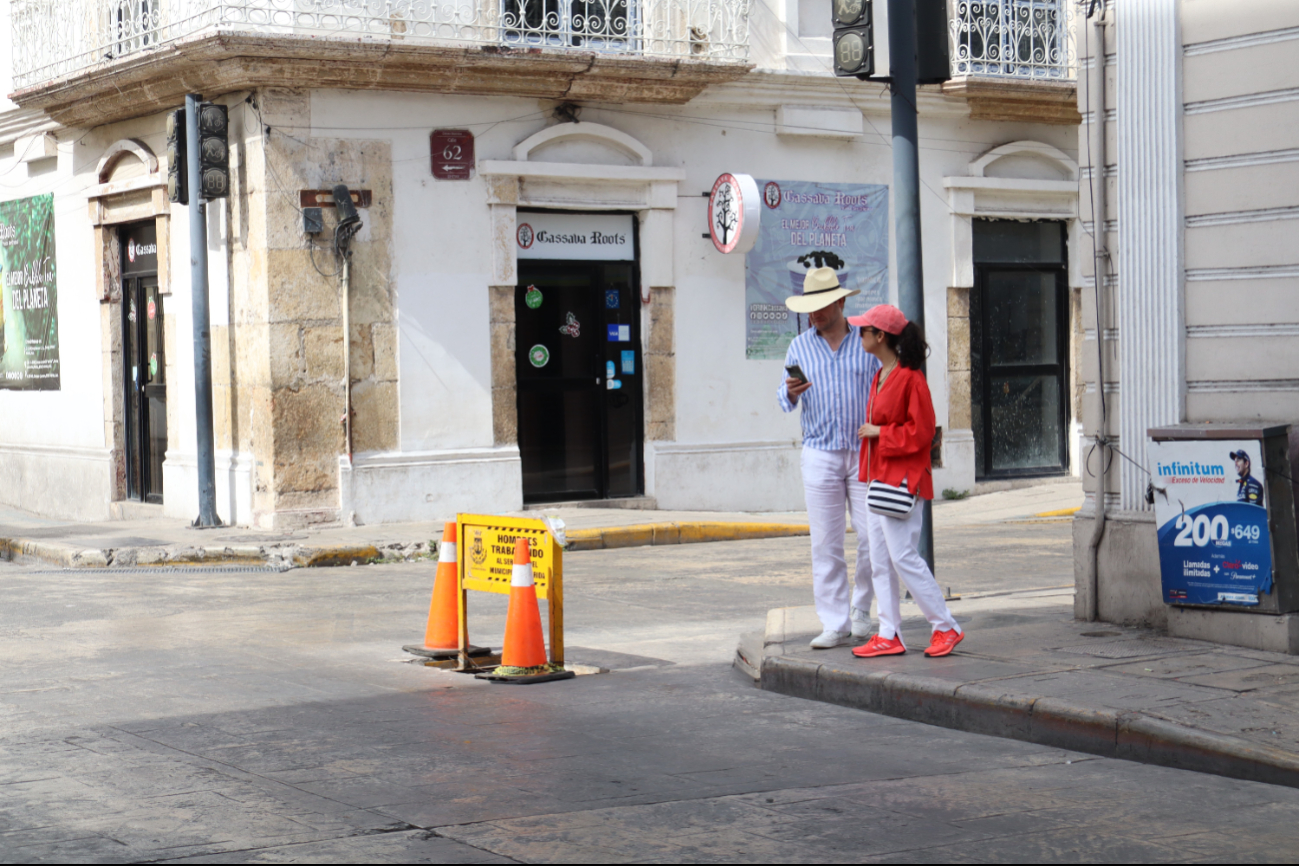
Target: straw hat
{"x":820,"y":289}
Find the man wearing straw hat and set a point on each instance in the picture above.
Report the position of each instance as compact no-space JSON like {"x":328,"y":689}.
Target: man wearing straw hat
{"x":837,"y":373}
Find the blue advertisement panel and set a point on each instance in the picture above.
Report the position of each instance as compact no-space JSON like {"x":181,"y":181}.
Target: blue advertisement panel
{"x":809,"y":225}
{"x":1211,"y":513}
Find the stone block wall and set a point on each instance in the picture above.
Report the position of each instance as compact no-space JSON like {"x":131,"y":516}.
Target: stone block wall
{"x":285,"y":398}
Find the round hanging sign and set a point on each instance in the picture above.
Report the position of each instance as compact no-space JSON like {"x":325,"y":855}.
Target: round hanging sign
{"x":733,"y":213}
{"x":532,"y":298}
{"x":539,"y":355}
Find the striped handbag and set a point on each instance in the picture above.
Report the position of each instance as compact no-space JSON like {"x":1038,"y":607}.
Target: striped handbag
{"x":889,"y":501}
{"x":885,"y":499}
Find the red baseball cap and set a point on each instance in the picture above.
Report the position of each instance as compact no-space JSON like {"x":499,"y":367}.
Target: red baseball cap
{"x":883,"y":317}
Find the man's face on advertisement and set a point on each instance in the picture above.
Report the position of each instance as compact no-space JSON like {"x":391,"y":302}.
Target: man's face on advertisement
{"x":1242,"y":466}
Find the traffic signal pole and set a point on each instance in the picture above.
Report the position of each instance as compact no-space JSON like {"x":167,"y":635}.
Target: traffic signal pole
{"x":906,"y":192}
{"x":207,"y":515}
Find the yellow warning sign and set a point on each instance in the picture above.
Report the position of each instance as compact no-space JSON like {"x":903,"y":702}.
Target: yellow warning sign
{"x":486,"y":563}
{"x":487,"y":543}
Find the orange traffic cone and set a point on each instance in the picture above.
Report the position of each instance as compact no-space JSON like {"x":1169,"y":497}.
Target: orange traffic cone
{"x":523,"y":660}
{"x":442,"y":636}
{"x":525,"y":646}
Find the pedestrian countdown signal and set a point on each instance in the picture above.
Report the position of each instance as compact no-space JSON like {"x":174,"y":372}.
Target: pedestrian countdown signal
{"x":854,"y":42}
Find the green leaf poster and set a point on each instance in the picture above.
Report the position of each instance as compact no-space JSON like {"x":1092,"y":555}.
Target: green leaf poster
{"x":29,"y":330}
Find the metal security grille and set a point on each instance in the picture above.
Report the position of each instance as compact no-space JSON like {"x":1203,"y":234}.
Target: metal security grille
{"x":55,"y":38}
{"x":1013,"y":39}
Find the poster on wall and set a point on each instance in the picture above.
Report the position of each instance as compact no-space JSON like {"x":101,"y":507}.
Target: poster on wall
{"x":809,"y":225}
{"x":29,"y":327}
{"x":1211,"y":514}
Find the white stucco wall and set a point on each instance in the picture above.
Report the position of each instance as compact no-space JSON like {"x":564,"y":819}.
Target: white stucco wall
{"x":733,"y":446}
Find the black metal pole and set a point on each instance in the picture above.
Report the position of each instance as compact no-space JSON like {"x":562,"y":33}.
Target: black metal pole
{"x":207,"y":515}
{"x":906,"y":192}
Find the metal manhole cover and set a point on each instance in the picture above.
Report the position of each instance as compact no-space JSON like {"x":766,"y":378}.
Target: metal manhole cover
{"x":1124,"y":649}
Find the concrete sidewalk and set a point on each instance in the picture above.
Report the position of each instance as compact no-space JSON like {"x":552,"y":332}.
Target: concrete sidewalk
{"x":172,"y":542}
{"x":1028,"y":671}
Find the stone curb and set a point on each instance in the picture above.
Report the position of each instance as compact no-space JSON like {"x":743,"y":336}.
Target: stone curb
{"x":292,"y":555}
{"x":271,"y":556}
{"x":684,"y":532}
{"x":985,"y":708}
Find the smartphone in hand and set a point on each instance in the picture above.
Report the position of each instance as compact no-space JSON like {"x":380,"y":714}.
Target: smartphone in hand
{"x":796,"y":372}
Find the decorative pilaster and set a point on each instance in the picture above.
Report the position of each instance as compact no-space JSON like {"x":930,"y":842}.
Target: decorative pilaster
{"x":1152,"y":361}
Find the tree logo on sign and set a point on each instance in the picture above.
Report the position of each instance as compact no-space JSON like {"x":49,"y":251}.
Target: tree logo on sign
{"x":525,"y":236}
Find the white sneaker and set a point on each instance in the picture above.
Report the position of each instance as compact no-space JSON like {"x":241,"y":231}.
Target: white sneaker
{"x":830,"y":639}
{"x":861,"y":624}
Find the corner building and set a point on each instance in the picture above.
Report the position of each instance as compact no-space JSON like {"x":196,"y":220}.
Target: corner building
{"x":1189,"y":143}
{"x":493,"y":304}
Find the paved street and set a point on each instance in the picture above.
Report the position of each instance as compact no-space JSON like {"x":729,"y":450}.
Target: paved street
{"x":228,"y":717}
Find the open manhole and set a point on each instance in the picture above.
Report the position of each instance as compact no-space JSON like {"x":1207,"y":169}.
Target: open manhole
{"x":1125,"y":649}
{"x":260,"y":539}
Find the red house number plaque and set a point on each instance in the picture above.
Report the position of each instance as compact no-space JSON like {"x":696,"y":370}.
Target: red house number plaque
{"x":452,"y":153}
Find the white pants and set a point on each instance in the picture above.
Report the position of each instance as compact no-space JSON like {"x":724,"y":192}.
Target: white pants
{"x":895,"y":554}
{"x":830,"y":485}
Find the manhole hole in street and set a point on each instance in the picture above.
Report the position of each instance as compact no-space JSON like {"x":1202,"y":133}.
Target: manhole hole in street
{"x":1101,"y":634}
{"x":255,"y":539}
{"x":1124,"y":649}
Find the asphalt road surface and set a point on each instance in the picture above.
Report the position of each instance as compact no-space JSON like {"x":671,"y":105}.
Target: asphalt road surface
{"x":267,"y":717}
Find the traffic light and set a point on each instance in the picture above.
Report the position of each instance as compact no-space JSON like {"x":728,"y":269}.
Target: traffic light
{"x":213,"y":150}
{"x":933,"y":50}
{"x":177,"y":168}
{"x":854,"y":53}
{"x":861,"y":38}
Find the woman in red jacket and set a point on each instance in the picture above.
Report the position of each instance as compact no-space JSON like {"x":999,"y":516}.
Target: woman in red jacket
{"x":896,"y":439}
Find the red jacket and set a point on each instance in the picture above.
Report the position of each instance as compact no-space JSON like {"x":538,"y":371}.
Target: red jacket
{"x":904,"y":412}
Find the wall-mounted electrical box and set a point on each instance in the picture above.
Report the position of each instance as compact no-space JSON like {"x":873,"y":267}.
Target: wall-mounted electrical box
{"x":313,"y":220}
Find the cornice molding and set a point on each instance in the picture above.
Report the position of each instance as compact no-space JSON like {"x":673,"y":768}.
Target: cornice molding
{"x":216,"y":63}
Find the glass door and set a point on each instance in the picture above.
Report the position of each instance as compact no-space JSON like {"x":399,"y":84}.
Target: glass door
{"x":144,"y":378}
{"x":578,"y":373}
{"x":1019,"y":349}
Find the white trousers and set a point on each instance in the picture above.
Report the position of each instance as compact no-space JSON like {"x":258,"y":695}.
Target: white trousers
{"x":895,"y":553}
{"x":830,"y":486}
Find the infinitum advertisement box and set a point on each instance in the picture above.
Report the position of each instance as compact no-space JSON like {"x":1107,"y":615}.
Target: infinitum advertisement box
{"x":1211,"y":511}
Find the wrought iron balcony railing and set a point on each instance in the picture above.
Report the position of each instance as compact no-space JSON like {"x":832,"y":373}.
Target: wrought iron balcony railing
{"x":1020,"y":39}
{"x":57,"y":38}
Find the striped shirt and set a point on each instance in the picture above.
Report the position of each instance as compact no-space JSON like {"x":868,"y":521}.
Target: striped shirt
{"x":835,"y":406}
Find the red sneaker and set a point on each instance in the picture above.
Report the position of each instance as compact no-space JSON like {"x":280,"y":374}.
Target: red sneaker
{"x":880,"y":646}
{"x":944,"y":642}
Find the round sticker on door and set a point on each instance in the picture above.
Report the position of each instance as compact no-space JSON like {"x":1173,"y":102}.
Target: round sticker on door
{"x":153,"y":309}
{"x":539,"y":355}
{"x":153,"y":365}
{"x":532,"y":298}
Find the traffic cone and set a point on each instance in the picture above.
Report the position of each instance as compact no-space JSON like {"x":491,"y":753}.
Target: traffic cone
{"x":442,"y":636}
{"x":523,"y":660}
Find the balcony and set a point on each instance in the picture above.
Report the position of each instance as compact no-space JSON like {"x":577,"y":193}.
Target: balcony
{"x":66,"y":51}
{"x":1015,"y":59}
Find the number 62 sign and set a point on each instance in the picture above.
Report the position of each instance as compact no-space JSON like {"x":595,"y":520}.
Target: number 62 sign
{"x":452,"y":153}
